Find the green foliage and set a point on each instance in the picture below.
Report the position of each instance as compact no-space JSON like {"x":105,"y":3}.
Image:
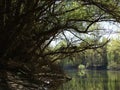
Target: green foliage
{"x":28,"y":27}
{"x":81,"y":67}
{"x":61,"y":44}
{"x":114,"y":51}
{"x":114,"y":66}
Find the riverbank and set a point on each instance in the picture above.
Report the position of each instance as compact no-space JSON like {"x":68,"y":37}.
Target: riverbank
{"x":112,"y":67}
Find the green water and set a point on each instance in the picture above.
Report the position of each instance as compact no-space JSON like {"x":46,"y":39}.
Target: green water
{"x":92,"y":80}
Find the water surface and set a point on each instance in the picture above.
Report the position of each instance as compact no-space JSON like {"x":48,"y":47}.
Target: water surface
{"x":92,"y":80}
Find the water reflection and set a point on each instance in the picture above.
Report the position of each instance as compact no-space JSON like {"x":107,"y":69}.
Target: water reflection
{"x":93,"y":80}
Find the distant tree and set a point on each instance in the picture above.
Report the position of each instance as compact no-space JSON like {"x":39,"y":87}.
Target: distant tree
{"x":113,"y":50}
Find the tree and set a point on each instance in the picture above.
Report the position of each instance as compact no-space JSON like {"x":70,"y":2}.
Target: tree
{"x":28,"y":27}
{"x":113,"y":54}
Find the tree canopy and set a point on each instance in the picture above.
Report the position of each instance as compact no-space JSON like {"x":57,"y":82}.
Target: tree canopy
{"x":27,"y":29}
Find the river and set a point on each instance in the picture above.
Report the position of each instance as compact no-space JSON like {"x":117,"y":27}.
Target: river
{"x":92,"y":80}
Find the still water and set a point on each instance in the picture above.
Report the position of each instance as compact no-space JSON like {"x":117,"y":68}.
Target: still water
{"x":92,"y":80}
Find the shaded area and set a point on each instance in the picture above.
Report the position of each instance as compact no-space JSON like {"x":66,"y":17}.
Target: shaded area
{"x":27,"y":81}
{"x":28,"y":27}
